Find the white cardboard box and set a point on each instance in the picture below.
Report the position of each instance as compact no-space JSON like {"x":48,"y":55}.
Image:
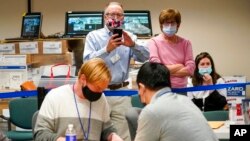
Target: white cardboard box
{"x":13,"y":71}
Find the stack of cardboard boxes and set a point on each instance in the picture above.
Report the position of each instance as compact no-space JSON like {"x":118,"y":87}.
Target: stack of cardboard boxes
{"x":17,"y":59}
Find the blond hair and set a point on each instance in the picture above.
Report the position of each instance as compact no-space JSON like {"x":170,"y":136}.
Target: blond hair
{"x":95,"y":70}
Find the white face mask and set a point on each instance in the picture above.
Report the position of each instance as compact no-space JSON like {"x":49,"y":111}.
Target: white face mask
{"x":169,"y":30}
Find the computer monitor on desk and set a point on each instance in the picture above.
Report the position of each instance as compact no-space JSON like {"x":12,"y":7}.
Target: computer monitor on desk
{"x":138,"y":22}
{"x":31,"y":27}
{"x":80,"y":23}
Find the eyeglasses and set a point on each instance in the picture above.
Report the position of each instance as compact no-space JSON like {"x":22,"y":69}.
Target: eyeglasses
{"x":112,"y":15}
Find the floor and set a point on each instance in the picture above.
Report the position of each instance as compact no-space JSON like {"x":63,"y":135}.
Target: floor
{"x":3,"y":126}
{"x":3,"y":123}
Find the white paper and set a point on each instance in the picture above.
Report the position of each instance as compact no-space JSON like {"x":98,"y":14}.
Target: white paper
{"x":7,"y":48}
{"x":28,"y":47}
{"x":12,"y":60}
{"x":52,"y":47}
{"x":12,"y":77}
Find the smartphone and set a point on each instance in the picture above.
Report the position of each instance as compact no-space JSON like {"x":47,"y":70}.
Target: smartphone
{"x":117,"y":31}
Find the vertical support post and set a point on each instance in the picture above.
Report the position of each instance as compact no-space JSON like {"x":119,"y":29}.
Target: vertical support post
{"x":29,"y":6}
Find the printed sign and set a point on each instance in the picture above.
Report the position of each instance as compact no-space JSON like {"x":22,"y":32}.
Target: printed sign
{"x":236,"y":91}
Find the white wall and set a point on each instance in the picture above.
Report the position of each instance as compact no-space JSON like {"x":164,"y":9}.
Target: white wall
{"x":220,"y":27}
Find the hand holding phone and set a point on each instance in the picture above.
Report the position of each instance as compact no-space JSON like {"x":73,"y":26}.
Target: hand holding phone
{"x":117,"y":31}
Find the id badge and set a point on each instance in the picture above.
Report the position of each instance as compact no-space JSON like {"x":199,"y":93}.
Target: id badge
{"x":115,"y":58}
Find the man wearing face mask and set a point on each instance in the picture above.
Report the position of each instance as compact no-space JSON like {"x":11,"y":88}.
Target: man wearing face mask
{"x":117,"y":52}
{"x":172,"y":50}
{"x":82,"y":104}
{"x":167,"y":116}
{"x":205,"y":74}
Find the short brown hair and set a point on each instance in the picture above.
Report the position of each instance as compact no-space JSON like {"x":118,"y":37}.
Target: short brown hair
{"x":169,"y":14}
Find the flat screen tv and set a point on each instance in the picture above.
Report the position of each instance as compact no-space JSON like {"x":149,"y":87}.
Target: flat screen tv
{"x":80,"y":23}
{"x":138,"y":22}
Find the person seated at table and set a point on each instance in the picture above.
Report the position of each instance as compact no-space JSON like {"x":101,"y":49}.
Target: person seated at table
{"x":205,"y":74}
{"x":167,"y":116}
{"x":82,"y":104}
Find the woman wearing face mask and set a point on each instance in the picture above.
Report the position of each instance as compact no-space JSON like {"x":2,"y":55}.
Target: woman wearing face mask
{"x":172,"y":50}
{"x":81,"y":104}
{"x":205,"y":74}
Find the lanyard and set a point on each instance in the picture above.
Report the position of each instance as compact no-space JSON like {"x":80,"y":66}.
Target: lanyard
{"x":163,"y":92}
{"x":85,"y":134}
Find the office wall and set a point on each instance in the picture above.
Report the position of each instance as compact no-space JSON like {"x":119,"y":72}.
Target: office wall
{"x":220,"y":27}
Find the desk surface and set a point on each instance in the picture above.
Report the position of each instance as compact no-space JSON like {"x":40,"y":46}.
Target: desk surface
{"x":223,"y":131}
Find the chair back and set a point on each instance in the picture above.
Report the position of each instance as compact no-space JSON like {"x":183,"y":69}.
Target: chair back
{"x":136,"y":102}
{"x":34,"y":120}
{"x":131,"y":116}
{"x":22,"y":110}
{"x":220,"y":115}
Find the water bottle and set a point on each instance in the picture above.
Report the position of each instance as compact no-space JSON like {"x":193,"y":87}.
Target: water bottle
{"x":232,"y":113}
{"x":70,"y":133}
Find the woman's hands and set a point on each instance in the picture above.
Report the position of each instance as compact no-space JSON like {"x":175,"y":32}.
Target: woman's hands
{"x":207,"y":79}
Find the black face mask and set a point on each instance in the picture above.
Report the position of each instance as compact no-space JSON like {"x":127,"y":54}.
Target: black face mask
{"x":90,"y":95}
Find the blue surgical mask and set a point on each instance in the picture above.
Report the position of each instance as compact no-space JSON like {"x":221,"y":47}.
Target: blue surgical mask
{"x":169,"y":30}
{"x":203,"y":71}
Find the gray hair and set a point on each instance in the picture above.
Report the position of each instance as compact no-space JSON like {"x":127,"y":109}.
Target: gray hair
{"x":112,"y":3}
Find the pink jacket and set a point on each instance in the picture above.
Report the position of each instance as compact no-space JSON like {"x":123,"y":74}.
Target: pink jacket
{"x":168,"y":53}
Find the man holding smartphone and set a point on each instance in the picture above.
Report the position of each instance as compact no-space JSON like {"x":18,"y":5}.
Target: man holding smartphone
{"x":116,"y":47}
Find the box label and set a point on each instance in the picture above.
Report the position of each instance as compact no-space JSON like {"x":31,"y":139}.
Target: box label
{"x":52,"y":47}
{"x":12,"y":60}
{"x":28,"y":48}
{"x":7,"y":48}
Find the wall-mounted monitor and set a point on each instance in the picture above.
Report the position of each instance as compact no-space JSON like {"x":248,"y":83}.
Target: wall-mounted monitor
{"x":80,"y":23}
{"x":138,"y":22}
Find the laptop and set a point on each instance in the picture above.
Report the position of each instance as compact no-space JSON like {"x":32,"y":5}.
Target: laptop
{"x":31,"y":27}
{"x":79,"y":23}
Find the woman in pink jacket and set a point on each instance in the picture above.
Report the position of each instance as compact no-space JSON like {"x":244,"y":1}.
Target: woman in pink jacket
{"x":173,"y":51}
